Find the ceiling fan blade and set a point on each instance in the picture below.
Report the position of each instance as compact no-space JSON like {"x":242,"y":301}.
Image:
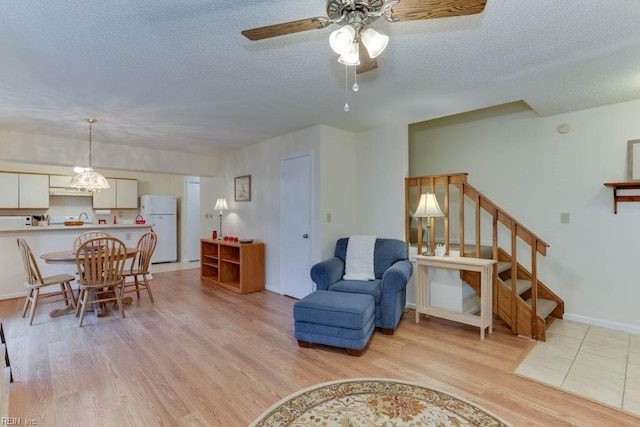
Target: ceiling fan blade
{"x":366,"y":63}
{"x":413,"y":10}
{"x":286,"y":28}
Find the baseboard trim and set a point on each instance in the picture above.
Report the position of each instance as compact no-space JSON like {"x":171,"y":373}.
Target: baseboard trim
{"x":602,"y":323}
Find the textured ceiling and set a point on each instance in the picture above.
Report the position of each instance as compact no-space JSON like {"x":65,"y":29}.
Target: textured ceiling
{"x":180,"y":76}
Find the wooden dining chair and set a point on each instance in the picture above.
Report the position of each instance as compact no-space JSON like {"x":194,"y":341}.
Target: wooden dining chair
{"x":34,"y":282}
{"x":140,"y":265}
{"x":83,"y":237}
{"x":101,"y":261}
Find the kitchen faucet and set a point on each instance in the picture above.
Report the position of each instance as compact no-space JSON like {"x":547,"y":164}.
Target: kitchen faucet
{"x":80,"y":216}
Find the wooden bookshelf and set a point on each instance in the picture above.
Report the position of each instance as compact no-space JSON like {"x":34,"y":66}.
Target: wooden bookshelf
{"x":238,"y":267}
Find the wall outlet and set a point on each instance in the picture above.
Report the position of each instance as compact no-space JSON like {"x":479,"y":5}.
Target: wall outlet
{"x":328,"y":217}
{"x":564,"y":218}
{"x":127,"y":236}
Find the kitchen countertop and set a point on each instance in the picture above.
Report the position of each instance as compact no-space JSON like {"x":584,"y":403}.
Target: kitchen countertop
{"x":74,"y":227}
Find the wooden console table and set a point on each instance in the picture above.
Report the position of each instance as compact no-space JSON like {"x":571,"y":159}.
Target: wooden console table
{"x":481,"y":265}
{"x":628,"y":185}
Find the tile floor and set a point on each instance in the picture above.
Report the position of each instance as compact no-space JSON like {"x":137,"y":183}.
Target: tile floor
{"x":598,"y":363}
{"x":174,"y":266}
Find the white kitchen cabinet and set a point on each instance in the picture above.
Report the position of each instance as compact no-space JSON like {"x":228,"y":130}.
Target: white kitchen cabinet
{"x":127,"y":193}
{"x":59,"y":181}
{"x":105,"y":199}
{"x":9,"y":190}
{"x":33,"y":190}
{"x":121,"y":194}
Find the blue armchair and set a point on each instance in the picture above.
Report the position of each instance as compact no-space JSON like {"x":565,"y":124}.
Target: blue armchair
{"x":389,"y":289}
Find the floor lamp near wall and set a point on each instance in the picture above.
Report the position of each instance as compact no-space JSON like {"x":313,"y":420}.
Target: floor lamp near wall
{"x":428,"y":208}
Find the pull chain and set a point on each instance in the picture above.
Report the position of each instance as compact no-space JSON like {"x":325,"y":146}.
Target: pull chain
{"x":346,"y":88}
{"x":355,"y":86}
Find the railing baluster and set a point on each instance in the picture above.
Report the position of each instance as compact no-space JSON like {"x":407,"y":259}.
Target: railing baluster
{"x":514,"y":278}
{"x":461,"y":237}
{"x":495,"y":256}
{"x":446,"y":215}
{"x":477,"y":225}
{"x":534,"y":292}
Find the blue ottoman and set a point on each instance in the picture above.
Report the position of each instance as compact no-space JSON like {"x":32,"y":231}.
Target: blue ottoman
{"x":337,"y":319}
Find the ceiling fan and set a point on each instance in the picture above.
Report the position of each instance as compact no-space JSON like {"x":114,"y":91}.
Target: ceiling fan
{"x":355,"y":41}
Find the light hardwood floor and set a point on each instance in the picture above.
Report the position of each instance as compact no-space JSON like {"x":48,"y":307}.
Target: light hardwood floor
{"x":206,"y":356}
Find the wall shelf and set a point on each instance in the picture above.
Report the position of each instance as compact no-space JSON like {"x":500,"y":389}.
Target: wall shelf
{"x":621,"y":186}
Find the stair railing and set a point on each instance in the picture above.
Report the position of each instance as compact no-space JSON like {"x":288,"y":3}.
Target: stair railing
{"x":499,"y":216}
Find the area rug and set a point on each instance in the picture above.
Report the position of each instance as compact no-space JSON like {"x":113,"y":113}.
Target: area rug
{"x":374,"y":402}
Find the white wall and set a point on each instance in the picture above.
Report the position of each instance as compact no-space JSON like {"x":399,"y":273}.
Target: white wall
{"x":260,"y":217}
{"x":338,"y":188}
{"x":382,"y":167}
{"x":33,"y":148}
{"x":520,"y":161}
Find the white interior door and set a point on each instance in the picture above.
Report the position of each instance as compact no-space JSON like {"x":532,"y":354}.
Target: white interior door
{"x":295,"y":226}
{"x":192,"y":223}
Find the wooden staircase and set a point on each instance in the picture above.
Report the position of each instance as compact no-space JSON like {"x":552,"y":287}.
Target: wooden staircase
{"x":517,"y":304}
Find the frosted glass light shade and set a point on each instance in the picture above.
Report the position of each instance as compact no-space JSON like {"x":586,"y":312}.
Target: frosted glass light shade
{"x":221,"y":205}
{"x":341,"y":39}
{"x":89,"y":180}
{"x":374,"y":42}
{"x":428,"y":206}
{"x":352,"y":56}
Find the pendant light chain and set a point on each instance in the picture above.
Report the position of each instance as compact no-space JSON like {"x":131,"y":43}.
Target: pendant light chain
{"x":90,"y":140}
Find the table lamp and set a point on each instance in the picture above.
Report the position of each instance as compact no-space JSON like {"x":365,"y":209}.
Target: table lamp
{"x":428,"y":208}
{"x":221,"y":205}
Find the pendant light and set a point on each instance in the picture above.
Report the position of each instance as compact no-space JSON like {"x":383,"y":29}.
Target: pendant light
{"x":89,"y":180}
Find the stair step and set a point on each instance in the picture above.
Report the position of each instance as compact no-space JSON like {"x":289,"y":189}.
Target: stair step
{"x":503,"y":266}
{"x":544,"y":307}
{"x":522,"y":285}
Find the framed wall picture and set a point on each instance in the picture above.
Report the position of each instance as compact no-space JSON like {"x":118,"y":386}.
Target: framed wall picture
{"x":634,"y":160}
{"x":242,"y":189}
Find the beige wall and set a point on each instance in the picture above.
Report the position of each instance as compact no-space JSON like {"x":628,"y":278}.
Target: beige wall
{"x":521,"y":162}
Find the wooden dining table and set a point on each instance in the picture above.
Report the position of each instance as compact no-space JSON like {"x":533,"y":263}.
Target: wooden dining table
{"x":69,"y":257}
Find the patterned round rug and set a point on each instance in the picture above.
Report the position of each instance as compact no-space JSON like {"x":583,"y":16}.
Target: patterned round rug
{"x":374,"y":402}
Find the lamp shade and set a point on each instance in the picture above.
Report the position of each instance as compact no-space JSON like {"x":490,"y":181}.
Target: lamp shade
{"x":374,"y":42}
{"x":89,"y":180}
{"x":221,"y":205}
{"x":352,"y":56}
{"x":428,"y":206}
{"x":341,"y":39}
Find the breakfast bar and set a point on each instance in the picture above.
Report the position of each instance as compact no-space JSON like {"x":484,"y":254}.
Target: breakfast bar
{"x":47,"y":239}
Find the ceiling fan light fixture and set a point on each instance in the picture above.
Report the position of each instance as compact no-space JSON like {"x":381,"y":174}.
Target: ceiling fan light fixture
{"x":374,"y":41}
{"x":341,"y":39}
{"x":352,"y":56}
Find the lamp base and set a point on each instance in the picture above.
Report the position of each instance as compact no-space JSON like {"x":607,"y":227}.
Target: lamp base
{"x":428,"y":252}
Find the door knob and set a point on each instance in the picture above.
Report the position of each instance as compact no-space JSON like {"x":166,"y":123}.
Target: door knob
{"x":305,"y":236}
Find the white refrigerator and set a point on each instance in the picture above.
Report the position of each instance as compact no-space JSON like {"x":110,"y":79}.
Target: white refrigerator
{"x":160,"y":212}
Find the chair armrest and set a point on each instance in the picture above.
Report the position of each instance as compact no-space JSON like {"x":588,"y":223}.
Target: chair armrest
{"x":328,"y":272}
{"x":396,"y":277}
